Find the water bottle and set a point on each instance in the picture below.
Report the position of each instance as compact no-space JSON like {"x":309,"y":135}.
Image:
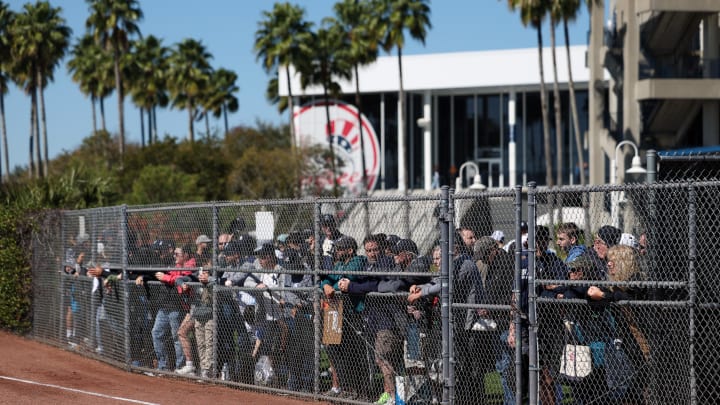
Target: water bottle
{"x":225,"y":373}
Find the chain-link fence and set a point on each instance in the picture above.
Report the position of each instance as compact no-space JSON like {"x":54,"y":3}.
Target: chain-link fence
{"x":568,"y":295}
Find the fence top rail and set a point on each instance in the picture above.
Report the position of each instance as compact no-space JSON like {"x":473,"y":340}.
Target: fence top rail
{"x":672,"y":284}
{"x":543,"y":190}
{"x":420,"y":196}
{"x":633,"y":303}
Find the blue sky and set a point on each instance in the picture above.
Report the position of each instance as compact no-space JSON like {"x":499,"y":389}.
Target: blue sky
{"x":227,"y":28}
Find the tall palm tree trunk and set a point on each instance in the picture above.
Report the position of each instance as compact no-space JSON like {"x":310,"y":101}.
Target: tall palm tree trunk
{"x":43,"y":120}
{"x":102,"y":113}
{"x":573,"y":107}
{"x":207,"y":126}
{"x":360,"y":126}
{"x":402,"y":169}
{"x":36,"y":134}
{"x":154,"y":120}
{"x":93,"y":99}
{"x":544,"y":111}
{"x":191,"y":128}
{"x":150,"y":129}
{"x":31,"y":160}
{"x":6,"y":160}
{"x":557,"y":107}
{"x":329,"y":134}
{"x":291,"y":107}
{"x":225,"y":118}
{"x":142,"y":127}
{"x":121,"y":106}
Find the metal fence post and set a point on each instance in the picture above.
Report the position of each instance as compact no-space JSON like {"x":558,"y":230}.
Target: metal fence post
{"x":517,"y":283}
{"x":316,"y":299}
{"x":451,"y":333}
{"x":650,"y":160}
{"x":692,"y":286}
{"x":533,"y":366}
{"x":126,"y":293}
{"x":216,"y":236}
{"x":445,"y":287}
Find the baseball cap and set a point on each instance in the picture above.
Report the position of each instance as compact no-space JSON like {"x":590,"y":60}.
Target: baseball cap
{"x":405,"y":245}
{"x":202,"y":239}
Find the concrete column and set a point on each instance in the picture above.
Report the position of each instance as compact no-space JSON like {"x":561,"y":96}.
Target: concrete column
{"x":711,"y":115}
{"x":426,"y":124}
{"x":512,"y":151}
{"x":402,"y":165}
{"x":596,"y":94}
{"x":631,"y":52}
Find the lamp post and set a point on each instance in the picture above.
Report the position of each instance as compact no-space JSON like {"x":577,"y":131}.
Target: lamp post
{"x":477,"y":180}
{"x":635,"y":168}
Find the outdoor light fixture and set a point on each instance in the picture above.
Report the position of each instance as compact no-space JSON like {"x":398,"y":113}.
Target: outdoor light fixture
{"x":477,"y":180}
{"x":635,"y":168}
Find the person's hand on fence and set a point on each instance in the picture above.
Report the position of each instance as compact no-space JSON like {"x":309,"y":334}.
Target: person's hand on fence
{"x":159,"y":275}
{"x":511,"y":336}
{"x":328,"y":290}
{"x":96,"y":271}
{"x":595,"y":293}
{"x":344,"y":284}
{"x":415,"y":294}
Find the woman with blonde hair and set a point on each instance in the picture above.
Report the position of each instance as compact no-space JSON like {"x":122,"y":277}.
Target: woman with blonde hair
{"x":622,"y":265}
{"x":626,"y":386}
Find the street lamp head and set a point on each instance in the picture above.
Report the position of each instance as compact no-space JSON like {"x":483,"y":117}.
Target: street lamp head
{"x":636,"y":166}
{"x":477,"y":180}
{"x":477,"y":184}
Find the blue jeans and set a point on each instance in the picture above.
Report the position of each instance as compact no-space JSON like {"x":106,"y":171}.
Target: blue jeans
{"x":413,"y":341}
{"x":167,"y":318}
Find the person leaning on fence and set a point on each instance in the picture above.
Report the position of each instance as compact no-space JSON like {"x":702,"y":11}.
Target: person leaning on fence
{"x":605,"y":238}
{"x":567,"y":240}
{"x":170,"y":310}
{"x":233,"y":339}
{"x":626,"y":382}
{"x":202,"y":314}
{"x":271,"y":332}
{"x":188,"y":323}
{"x":379,"y":315}
{"x":348,"y":357}
{"x":104,"y":290}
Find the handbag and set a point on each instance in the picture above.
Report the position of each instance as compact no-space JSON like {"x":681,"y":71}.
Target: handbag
{"x":484,"y":325}
{"x":576,"y":360}
{"x":619,"y":370}
{"x":332,"y":322}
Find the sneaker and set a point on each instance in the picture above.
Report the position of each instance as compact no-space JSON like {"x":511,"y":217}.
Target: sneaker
{"x":384,"y":399}
{"x":349,"y":394}
{"x":186,"y":369}
{"x":333,"y":392}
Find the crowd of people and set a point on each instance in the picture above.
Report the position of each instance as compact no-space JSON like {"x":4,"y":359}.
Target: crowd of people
{"x":245,"y":313}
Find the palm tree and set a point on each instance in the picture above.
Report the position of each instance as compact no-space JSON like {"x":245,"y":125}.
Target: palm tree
{"x":532,"y":12}
{"x":188,"y":77}
{"x":396,"y":17}
{"x":330,"y":62}
{"x":112,"y":24}
{"x":92,"y":68}
{"x":567,"y":11}
{"x":149,"y":87}
{"x":6,"y":19}
{"x":41,"y":40}
{"x":362,"y":36}
{"x":283,"y":39}
{"x":224,"y":99}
